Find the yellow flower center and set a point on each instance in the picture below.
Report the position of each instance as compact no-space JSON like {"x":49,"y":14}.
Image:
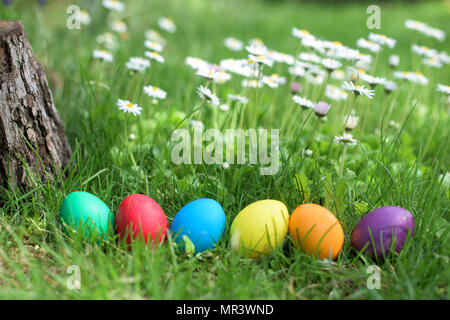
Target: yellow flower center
{"x":338,"y":43}
{"x":155,"y":89}
{"x":129,"y":105}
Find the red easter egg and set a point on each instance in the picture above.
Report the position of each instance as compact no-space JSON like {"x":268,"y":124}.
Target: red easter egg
{"x":139,"y":215}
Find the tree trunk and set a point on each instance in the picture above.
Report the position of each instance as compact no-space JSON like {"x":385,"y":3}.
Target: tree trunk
{"x":33,"y":144}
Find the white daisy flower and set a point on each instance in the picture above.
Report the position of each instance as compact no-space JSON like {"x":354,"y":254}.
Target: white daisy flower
{"x":443,"y":88}
{"x":153,"y":45}
{"x":221,"y":77}
{"x":364,"y":58}
{"x":224,"y":107}
{"x":260,"y":59}
{"x":197,"y":124}
{"x":331,"y":64}
{"x":308,"y":152}
{"x":114,"y":5}
{"x":108,"y":40}
{"x":301,"y":33}
{"x":357,"y":90}
{"x":196,"y":63}
{"x":362,"y":65}
{"x":371,"y":80}
{"x":128,"y":107}
{"x":155,"y":92}
{"x":303,"y":102}
{"x":118,"y":26}
{"x":256,"y":42}
{"x":251,"y":83}
{"x":233,"y":44}
{"x":280,"y":57}
{"x":208,"y":96}
{"x":155,"y":36}
{"x":432,"y":62}
{"x":84,"y":17}
{"x":155,"y":56}
{"x":425,"y":29}
{"x":371,"y":46}
{"x":390,"y":86}
{"x":240,"y":66}
{"x":103,"y":55}
{"x":137,"y":64}
{"x":338,"y":74}
{"x":297,"y":71}
{"x":382,"y":40}
{"x":425,"y":51}
{"x":351,"y":122}
{"x":435,"y":33}
{"x":334,"y":93}
{"x":316,"y":77}
{"x":310,"y":57}
{"x":237,"y":97}
{"x":394,"y":61}
{"x":415,"y":77}
{"x":349,"y":54}
{"x":311,"y":42}
{"x":257,"y":50}
{"x":270,"y":82}
{"x":208,"y":72}
{"x":415,"y":25}
{"x":346,"y":138}
{"x":444,"y":57}
{"x":277,"y":79}
{"x":167,"y":24}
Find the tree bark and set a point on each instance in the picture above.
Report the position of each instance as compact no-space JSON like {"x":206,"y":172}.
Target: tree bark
{"x":33,"y":144}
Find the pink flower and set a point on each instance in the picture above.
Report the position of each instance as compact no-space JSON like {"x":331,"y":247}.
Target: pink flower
{"x":321,"y":109}
{"x":296,"y":87}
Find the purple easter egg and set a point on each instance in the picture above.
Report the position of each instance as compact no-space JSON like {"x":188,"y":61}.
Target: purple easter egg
{"x":385,"y":225}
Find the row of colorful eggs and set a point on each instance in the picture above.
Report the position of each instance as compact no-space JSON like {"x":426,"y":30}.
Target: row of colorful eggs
{"x":256,"y":231}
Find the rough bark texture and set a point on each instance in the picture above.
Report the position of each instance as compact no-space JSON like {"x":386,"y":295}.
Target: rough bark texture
{"x":30,"y":128}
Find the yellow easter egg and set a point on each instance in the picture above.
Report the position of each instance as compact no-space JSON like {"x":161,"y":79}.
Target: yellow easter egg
{"x":259,"y":228}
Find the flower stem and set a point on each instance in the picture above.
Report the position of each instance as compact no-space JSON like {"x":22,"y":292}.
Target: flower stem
{"x":316,"y":125}
{"x":343,"y":159}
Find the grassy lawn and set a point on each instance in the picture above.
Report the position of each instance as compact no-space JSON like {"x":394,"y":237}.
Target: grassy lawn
{"x":403,"y":164}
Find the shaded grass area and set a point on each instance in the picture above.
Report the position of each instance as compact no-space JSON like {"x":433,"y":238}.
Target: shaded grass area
{"x":34,"y":254}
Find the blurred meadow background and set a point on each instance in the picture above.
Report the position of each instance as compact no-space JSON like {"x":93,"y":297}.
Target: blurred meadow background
{"x":400,"y":158}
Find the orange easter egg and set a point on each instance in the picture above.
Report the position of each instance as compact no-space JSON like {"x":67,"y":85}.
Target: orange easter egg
{"x":317,"y":230}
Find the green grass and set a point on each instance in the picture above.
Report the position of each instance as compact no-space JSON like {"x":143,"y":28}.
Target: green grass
{"x":384,"y":169}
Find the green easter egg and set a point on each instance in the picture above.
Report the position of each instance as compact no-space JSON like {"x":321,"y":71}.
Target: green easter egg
{"x":82,"y":211}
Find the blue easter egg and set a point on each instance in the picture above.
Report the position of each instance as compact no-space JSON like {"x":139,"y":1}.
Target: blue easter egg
{"x":202,"y":221}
